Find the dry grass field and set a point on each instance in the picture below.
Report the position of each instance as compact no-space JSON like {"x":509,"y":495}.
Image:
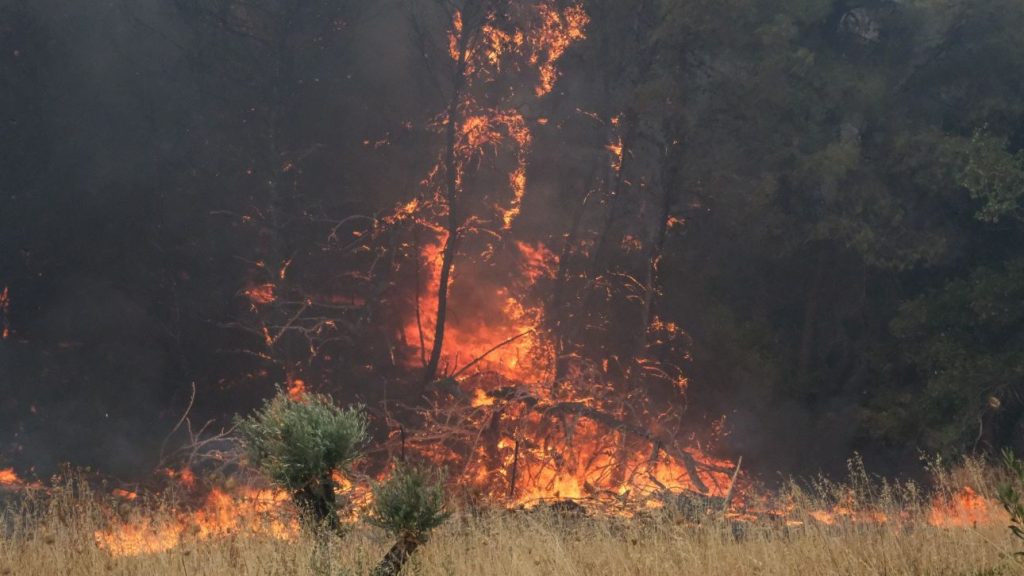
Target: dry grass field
{"x":852,"y":528}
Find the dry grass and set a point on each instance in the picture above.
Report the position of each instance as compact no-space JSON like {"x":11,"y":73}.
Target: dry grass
{"x":55,"y":535}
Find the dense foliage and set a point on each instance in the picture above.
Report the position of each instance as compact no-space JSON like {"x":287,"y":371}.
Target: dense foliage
{"x":299,"y":443}
{"x":295,"y":441}
{"x":828,"y":194}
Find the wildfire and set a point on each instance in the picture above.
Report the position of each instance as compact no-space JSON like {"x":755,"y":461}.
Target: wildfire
{"x":582,"y":436}
{"x":560,"y":29}
{"x":480,"y":337}
{"x":261,"y":512}
{"x":9,"y":478}
{"x":269,"y":513}
{"x":261,"y":293}
{"x":965,"y":508}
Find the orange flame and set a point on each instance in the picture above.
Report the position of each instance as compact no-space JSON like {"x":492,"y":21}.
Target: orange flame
{"x":261,"y":293}
{"x":252,"y":510}
{"x":296,"y":389}
{"x":9,"y":478}
{"x":965,"y":508}
{"x":559,"y":30}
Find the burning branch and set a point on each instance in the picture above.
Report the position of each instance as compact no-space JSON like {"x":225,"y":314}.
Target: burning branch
{"x":495,"y":348}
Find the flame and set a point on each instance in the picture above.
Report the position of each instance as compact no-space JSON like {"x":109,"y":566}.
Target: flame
{"x":253,"y":510}
{"x":965,"y":508}
{"x":475,"y":337}
{"x":297,"y":389}
{"x":480,"y":398}
{"x":537,"y":261}
{"x":269,"y":513}
{"x":544,"y":34}
{"x":9,"y":478}
{"x":615,"y":149}
{"x":559,"y":30}
{"x":125,"y":494}
{"x":261,"y":293}
{"x":571,"y":439}
{"x":517,"y":180}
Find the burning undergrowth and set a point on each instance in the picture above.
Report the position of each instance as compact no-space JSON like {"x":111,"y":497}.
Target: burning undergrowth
{"x":186,"y":511}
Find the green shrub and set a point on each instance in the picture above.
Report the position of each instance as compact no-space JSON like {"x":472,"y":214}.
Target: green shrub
{"x":299,"y":443}
{"x":409,"y":505}
{"x":1010,"y":494}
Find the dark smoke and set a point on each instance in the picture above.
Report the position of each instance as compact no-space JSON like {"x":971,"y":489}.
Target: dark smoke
{"x":155,"y":165}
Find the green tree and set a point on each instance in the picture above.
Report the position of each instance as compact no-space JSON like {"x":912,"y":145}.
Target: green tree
{"x":408,"y":506}
{"x":300,"y":443}
{"x":851,"y":182}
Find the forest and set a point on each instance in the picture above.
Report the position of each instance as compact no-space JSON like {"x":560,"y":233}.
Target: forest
{"x":788,"y":230}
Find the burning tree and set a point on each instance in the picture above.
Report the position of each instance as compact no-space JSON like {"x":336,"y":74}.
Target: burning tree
{"x":517,"y":392}
{"x":532,"y":373}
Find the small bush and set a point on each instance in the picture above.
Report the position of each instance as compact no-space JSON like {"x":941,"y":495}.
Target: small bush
{"x":298,"y":443}
{"x":410,"y":504}
{"x":1010,"y":494}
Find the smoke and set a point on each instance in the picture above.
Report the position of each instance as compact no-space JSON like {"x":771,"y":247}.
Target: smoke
{"x":159,"y":165}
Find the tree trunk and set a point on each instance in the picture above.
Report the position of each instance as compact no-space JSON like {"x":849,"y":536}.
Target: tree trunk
{"x":317,"y":502}
{"x":396,"y":558}
{"x":451,"y":195}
